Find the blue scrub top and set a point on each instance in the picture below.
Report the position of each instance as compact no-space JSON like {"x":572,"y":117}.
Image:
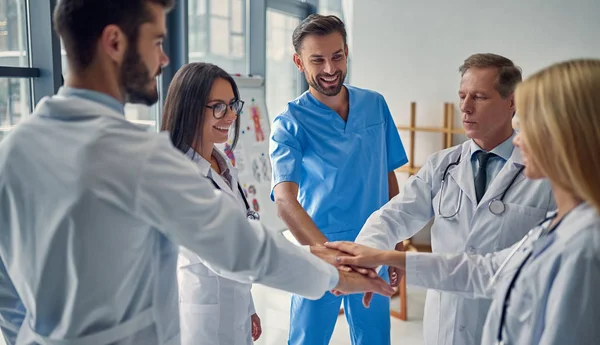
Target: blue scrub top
{"x":341,"y":167}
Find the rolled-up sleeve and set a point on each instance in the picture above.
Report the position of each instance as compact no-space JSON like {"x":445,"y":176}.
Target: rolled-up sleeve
{"x":285,"y":152}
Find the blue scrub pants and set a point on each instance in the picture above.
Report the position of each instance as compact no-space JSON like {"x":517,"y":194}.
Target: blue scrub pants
{"x":312,"y":321}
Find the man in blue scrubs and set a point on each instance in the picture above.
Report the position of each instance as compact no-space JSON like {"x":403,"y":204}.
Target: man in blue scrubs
{"x":334,"y":151}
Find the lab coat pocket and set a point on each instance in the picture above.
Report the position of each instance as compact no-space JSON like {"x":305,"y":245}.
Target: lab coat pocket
{"x":195,"y":289}
{"x":199,"y":323}
{"x":518,"y":220}
{"x":537,"y":212}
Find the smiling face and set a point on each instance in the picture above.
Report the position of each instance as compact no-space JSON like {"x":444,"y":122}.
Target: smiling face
{"x":323,"y":60}
{"x":214,"y":130}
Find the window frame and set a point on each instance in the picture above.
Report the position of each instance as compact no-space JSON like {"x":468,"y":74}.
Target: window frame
{"x":44,"y":58}
{"x":44,"y":50}
{"x":258,"y":32}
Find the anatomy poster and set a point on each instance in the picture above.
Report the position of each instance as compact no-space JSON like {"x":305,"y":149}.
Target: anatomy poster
{"x":251,"y":155}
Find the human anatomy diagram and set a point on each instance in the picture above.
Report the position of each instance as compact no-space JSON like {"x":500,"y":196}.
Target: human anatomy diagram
{"x":258,"y":132}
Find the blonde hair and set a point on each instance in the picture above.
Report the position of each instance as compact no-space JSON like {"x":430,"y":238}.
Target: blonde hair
{"x":559,"y":113}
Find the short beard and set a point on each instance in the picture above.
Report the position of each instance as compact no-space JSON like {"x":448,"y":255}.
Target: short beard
{"x":135,"y":79}
{"x":314,"y":83}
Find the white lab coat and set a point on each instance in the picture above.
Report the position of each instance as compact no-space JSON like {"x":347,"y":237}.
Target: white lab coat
{"x":93,"y":210}
{"x":451,"y":319}
{"x":213,"y":310}
{"x":555,"y":298}
{"x":12,"y":311}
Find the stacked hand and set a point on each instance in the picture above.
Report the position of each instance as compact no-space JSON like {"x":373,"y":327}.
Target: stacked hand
{"x":361,"y":257}
{"x":332,"y":256}
{"x":354,"y":282}
{"x":353,"y":278}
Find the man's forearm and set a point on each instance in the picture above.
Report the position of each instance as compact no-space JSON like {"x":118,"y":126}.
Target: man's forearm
{"x":300,"y":224}
{"x":393,"y":187}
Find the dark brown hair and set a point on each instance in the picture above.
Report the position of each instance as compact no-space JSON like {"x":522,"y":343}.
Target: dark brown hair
{"x":183,"y":113}
{"x":509,"y":75}
{"x":80,"y":24}
{"x":317,"y":24}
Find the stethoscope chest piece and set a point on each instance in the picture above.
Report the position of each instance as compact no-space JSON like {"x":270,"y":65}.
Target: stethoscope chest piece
{"x":497,"y":207}
{"x":252,"y":215}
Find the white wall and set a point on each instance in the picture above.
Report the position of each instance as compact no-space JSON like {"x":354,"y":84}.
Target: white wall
{"x":411,"y":50}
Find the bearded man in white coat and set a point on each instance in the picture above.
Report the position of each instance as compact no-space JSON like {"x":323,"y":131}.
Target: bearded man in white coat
{"x":93,"y":207}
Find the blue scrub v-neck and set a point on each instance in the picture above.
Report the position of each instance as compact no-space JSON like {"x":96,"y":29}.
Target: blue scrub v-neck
{"x":337,"y":121}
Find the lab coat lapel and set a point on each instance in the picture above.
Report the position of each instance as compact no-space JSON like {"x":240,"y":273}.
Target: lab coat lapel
{"x":221,"y":183}
{"x":233,"y":191}
{"x":232,"y":171}
{"x":463,"y":175}
{"x":208,"y":172}
{"x":505,"y":176}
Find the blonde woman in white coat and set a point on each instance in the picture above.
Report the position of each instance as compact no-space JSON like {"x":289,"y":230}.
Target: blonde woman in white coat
{"x":202,"y":106}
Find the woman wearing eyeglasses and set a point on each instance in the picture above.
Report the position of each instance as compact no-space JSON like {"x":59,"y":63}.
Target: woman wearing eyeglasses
{"x":202,"y":107}
{"x":544,"y":288}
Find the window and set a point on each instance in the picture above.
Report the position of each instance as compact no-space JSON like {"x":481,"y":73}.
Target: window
{"x":343,"y":10}
{"x":13,"y":34}
{"x":331,"y":7}
{"x":15,"y":93}
{"x":283,"y":81}
{"x":144,"y":115}
{"x":14,"y":103}
{"x":217,"y":33}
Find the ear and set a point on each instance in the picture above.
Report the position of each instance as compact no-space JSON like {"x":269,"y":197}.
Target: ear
{"x":113,"y":43}
{"x":346,"y":51}
{"x":511,"y":100}
{"x":298,"y":62}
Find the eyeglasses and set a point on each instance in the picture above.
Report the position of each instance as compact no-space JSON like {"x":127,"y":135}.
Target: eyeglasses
{"x":220,"y":108}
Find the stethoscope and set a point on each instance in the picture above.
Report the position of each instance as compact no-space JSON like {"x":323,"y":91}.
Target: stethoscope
{"x":496,"y":206}
{"x":543,"y":233}
{"x":250,"y":214}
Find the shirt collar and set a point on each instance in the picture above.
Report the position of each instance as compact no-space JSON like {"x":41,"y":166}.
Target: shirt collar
{"x":222,"y":161}
{"x":504,"y":150}
{"x":93,"y":96}
{"x":204,"y":165}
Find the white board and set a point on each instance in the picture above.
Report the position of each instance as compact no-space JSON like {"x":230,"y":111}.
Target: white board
{"x":251,"y":155}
